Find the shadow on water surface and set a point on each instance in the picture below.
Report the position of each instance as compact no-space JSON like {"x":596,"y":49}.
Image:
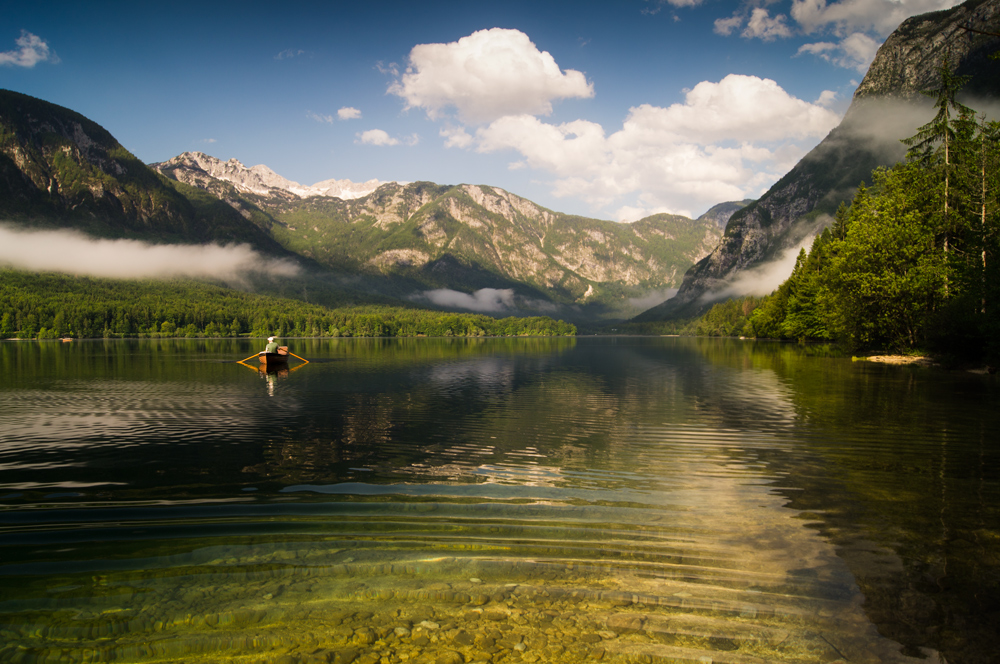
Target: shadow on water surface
{"x":538,"y":500}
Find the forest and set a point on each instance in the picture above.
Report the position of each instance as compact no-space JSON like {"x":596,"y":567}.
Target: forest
{"x":49,"y":306}
{"x":911,"y":265}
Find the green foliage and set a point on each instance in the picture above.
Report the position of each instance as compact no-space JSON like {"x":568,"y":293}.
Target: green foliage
{"x":52,"y":305}
{"x":886,"y":277}
{"x":912,"y":263}
{"x":727,"y":319}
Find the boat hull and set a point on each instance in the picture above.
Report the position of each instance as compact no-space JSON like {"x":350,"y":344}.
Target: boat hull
{"x":276,"y":359}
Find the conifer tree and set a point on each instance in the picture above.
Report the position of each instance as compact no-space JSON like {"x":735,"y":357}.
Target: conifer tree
{"x":934,"y":144}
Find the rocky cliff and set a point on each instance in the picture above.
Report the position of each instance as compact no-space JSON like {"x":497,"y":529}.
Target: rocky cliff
{"x":465,"y":237}
{"x":886,"y":107}
{"x":60,"y":169}
{"x":201,"y":170}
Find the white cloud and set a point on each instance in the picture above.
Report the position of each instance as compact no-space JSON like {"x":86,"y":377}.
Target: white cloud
{"x":855,"y":51}
{"x":455,"y":137}
{"x":727,"y":141}
{"x":826,"y":98}
{"x":349,"y":113}
{"x":289,"y":53}
{"x":627,"y":213}
{"x":859,"y":26}
{"x":209,"y":140}
{"x":847,"y":16}
{"x":763,"y":27}
{"x":658,"y":5}
{"x":483,"y":300}
{"x":33,"y":49}
{"x":376,"y":137}
{"x":726,"y":26}
{"x":319,"y":118}
{"x":742,"y":108}
{"x":71,"y":252}
{"x":381,"y":137}
{"x":485,"y":76}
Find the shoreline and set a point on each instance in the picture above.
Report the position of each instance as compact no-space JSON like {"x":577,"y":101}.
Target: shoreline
{"x":922,"y":361}
{"x":907,"y":360}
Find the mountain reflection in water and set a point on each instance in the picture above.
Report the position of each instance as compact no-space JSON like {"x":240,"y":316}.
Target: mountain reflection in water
{"x":537,"y":500}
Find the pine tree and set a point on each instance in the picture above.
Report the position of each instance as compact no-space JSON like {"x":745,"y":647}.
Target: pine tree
{"x":934,"y":143}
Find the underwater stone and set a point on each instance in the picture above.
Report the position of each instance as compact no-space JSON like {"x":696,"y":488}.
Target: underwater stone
{"x":449,"y":657}
{"x":346,"y":656}
{"x":364,"y":636}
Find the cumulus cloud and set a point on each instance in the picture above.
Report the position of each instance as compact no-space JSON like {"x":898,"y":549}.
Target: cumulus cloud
{"x":759,"y":25}
{"x":762,"y":26}
{"x":847,"y":16}
{"x":726,"y":26}
{"x":727,"y":141}
{"x":826,"y":98}
{"x":72,"y":252}
{"x":630,"y":213}
{"x":455,"y":137}
{"x":31,"y":50}
{"x":484,"y":300}
{"x":855,"y":51}
{"x":382,"y":138}
{"x":485,"y":76}
{"x":349,"y":113}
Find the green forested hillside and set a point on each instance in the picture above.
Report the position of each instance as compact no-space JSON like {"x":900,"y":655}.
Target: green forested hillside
{"x":53,"y":305}
{"x":59,"y":169}
{"x":912,"y":263}
{"x":472,"y":236}
{"x":465,"y":237}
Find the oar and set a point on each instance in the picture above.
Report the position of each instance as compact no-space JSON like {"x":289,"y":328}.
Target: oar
{"x":301,"y":358}
{"x":247,"y":358}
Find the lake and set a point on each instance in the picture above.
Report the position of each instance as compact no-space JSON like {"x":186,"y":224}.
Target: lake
{"x":451,"y":501}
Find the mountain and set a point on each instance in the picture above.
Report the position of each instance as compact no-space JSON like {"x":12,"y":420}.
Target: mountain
{"x":435,"y":245}
{"x":60,"y":169}
{"x":887,"y":106}
{"x":464,"y":238}
{"x":199,"y":170}
{"x":722,"y":212}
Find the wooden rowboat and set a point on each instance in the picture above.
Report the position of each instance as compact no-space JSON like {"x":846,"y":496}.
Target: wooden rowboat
{"x":281,"y":357}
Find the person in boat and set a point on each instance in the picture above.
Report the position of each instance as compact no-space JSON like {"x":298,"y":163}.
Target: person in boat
{"x":272,"y":345}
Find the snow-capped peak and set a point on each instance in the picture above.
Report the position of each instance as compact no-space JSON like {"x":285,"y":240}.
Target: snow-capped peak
{"x":262,"y":180}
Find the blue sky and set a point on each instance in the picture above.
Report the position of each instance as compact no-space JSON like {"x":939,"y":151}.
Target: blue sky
{"x":607,"y":109}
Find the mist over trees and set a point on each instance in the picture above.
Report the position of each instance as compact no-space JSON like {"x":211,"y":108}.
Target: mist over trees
{"x":49,"y":306}
{"x":912,"y":263}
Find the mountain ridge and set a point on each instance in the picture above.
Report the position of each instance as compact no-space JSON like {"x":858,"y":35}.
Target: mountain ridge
{"x":887,"y":106}
{"x":259,"y":179}
{"x":58,"y":169}
{"x":474,"y":236}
